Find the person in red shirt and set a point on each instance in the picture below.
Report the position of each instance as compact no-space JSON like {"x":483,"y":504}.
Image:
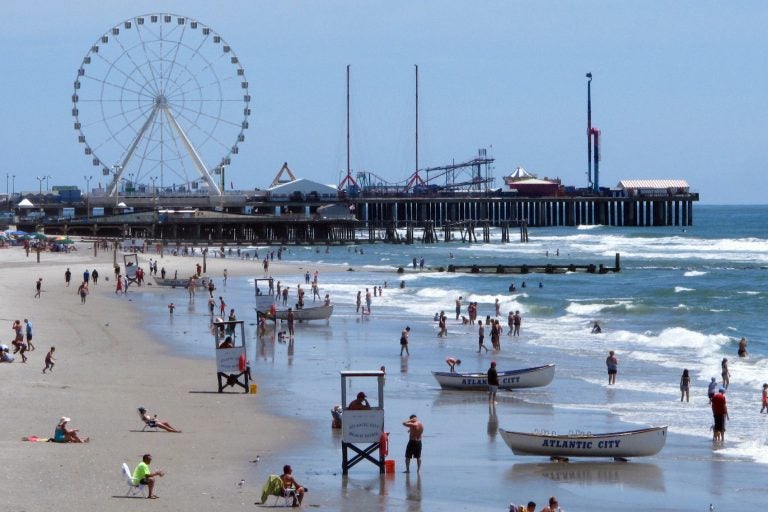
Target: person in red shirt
{"x":720,"y":414}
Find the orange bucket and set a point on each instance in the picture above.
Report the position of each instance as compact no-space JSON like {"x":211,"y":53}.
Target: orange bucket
{"x":389,"y":466}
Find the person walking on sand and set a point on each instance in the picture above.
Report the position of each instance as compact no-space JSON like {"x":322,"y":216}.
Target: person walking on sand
{"x":38,"y":287}
{"x":82,"y":290}
{"x":142,"y":475}
{"x":685,"y":386}
{"x":67,"y":276}
{"x":95,"y":277}
{"x":493,"y":382}
{"x":720,"y":414}
{"x":28,"y":324}
{"x":119,"y":285}
{"x":49,"y":360}
{"x":725,"y":373}
{"x":413,"y":449}
{"x":404,"y":340}
{"x":481,"y":337}
{"x":612,"y":363}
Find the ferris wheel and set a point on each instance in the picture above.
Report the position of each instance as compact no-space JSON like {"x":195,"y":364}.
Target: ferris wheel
{"x":161,"y":98}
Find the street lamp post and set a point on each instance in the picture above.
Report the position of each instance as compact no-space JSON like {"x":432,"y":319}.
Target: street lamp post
{"x":88,"y":196}
{"x":47,"y":188}
{"x":7,"y":197}
{"x":40,"y":180}
{"x":115,"y":172}
{"x":13,"y":185}
{"x":154,"y":189}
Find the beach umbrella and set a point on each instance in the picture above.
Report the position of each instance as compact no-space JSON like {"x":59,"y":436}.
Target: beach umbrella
{"x":65,"y":241}
{"x":24,"y":237}
{"x":39,"y":236}
{"x":17,"y":232}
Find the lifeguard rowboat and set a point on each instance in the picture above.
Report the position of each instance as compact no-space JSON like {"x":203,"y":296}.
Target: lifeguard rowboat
{"x":513,"y":379}
{"x":181,"y":282}
{"x":316,"y":313}
{"x":631,"y":443}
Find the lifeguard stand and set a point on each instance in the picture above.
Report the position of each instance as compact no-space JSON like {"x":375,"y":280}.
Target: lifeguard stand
{"x":361,"y":427}
{"x":231,"y":362}
{"x":131,"y":262}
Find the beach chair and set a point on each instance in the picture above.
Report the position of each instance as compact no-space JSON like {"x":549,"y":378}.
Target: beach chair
{"x":148,"y":425}
{"x":134,"y":489}
{"x":274,"y":487}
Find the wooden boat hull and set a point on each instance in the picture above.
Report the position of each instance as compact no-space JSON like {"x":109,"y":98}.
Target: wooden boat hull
{"x":180,"y":283}
{"x":631,"y":443}
{"x":301,"y":315}
{"x":513,"y":379}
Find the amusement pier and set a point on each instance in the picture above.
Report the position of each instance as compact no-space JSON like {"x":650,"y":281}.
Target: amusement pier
{"x":160,"y":178}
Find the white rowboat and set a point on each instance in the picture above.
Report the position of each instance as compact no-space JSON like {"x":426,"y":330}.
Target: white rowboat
{"x":316,"y":313}
{"x":181,"y":282}
{"x":513,"y":379}
{"x":631,"y":443}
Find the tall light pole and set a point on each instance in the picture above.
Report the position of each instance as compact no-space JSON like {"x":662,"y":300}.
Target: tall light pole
{"x":7,"y":197}
{"x":116,"y":172}
{"x":47,"y":188}
{"x":154,"y":189}
{"x":88,"y":196}
{"x":40,"y":180}
{"x":13,"y":185}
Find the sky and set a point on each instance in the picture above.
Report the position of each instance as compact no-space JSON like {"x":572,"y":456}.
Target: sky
{"x":679,"y":90}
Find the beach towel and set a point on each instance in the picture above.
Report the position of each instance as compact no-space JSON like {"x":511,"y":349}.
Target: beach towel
{"x":35,"y":439}
{"x":273,"y":487}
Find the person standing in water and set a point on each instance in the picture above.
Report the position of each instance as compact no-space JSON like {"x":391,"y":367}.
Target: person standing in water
{"x":612,"y":363}
{"x":743,"y":347}
{"x":685,"y":386}
{"x":725,"y":373}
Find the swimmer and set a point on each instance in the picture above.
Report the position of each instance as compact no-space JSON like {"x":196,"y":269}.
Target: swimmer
{"x":743,"y":347}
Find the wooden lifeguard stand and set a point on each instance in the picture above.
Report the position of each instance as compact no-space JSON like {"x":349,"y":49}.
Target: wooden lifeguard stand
{"x":362,"y":427}
{"x":231,"y":361}
{"x":131,"y":262}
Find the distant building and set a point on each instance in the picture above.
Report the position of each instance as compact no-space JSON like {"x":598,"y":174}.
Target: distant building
{"x":651,"y":188}
{"x":302,"y":190}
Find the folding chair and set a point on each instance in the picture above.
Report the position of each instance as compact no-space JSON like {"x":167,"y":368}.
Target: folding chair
{"x":274,"y":487}
{"x":134,"y":488}
{"x":287,"y":498}
{"x":148,"y":425}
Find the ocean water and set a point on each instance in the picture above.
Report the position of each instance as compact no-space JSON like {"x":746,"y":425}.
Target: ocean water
{"x":683,"y":299}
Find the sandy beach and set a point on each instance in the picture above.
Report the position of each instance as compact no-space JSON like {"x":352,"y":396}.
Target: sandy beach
{"x":106,"y":367}
{"x":110,"y":360}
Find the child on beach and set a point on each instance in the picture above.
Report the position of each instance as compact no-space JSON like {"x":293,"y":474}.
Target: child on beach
{"x":49,"y":360}
{"x":171,"y":307}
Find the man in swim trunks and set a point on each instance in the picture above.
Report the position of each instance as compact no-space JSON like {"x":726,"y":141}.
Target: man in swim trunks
{"x":612,"y":363}
{"x":720,"y":414}
{"x":413,"y":449}
{"x":493,"y":382}
{"x":452,"y":363}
